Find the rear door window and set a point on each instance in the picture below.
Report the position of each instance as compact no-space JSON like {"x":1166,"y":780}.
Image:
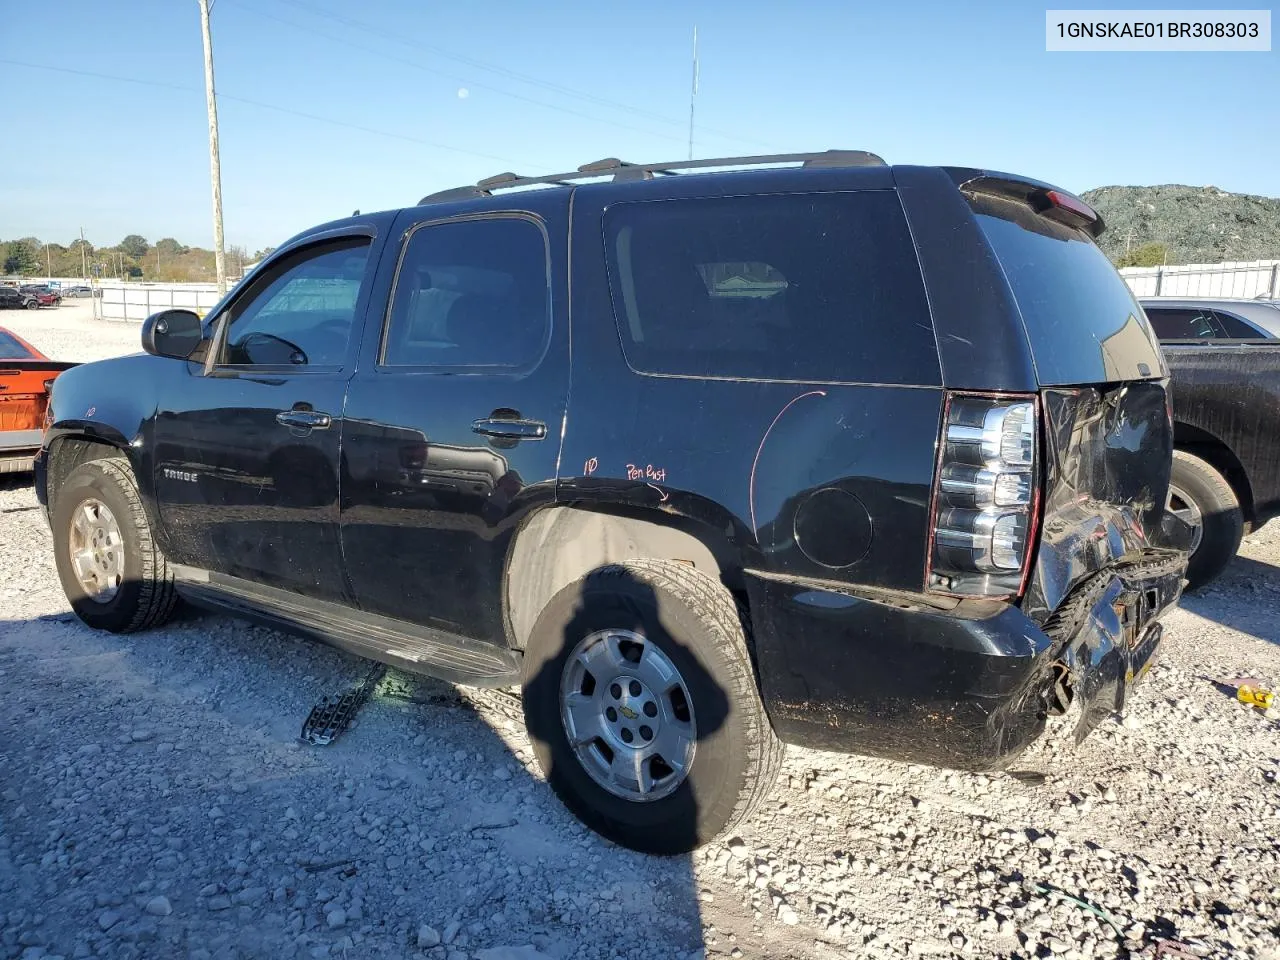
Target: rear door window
{"x":1173,"y":323}
{"x":470,"y":293}
{"x":821,"y":287}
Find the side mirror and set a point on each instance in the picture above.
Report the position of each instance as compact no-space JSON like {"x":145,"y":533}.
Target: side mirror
{"x":171,"y":333}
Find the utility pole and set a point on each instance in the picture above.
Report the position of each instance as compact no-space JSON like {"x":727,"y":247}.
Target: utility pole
{"x":215,"y":170}
{"x":84,"y":261}
{"x":48,"y":261}
{"x":693,"y":95}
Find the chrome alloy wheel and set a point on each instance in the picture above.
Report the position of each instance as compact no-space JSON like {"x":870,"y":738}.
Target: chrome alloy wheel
{"x":97,"y":550}
{"x":1185,"y":509}
{"x":628,"y":715}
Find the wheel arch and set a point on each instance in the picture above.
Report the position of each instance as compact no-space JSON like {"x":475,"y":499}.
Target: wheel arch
{"x":1212,"y":450}
{"x":562,"y":543}
{"x":69,"y":450}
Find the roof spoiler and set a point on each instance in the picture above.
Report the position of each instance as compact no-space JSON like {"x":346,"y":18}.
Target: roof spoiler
{"x":1045,"y":199}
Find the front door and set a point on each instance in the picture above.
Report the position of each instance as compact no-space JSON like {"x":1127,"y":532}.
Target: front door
{"x":451,"y":431}
{"x":246,"y":465}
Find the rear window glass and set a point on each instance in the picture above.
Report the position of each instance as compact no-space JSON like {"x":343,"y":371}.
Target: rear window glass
{"x":1071,"y":298}
{"x":808,"y":287}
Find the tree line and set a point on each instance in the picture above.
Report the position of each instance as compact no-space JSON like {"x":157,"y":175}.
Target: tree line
{"x":133,"y":258}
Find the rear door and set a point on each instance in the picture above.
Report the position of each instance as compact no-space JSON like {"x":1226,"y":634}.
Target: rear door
{"x":452,"y":426}
{"x":246,"y":465}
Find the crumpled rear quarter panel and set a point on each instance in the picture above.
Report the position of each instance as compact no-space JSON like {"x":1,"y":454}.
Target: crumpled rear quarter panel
{"x":1107,"y":456}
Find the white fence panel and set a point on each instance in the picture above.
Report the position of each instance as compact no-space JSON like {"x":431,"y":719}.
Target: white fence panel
{"x":1258,"y":278}
{"x":134,"y":302}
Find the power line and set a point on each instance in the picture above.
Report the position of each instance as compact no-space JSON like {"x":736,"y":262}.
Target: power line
{"x":265,"y":106}
{"x":480,"y":64}
{"x":480,"y":85}
{"x":500,"y":70}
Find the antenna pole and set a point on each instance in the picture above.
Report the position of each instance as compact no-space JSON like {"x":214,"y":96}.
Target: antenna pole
{"x":693,"y":94}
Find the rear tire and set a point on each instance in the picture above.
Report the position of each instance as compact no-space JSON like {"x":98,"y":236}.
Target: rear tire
{"x":1197,"y":489}
{"x":692,"y":623}
{"x":98,"y":517}
{"x":33,"y":305}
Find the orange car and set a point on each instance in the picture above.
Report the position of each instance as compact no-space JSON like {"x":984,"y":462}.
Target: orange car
{"x":25,"y":377}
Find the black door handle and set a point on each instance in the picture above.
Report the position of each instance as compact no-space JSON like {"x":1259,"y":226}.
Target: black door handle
{"x":510,"y":429}
{"x":306,"y":419}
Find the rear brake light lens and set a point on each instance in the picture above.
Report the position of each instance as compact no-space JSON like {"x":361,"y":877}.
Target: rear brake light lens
{"x":46,"y":418}
{"x":1065,"y":201}
{"x":985,"y":498}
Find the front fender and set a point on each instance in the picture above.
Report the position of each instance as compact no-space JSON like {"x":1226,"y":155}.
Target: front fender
{"x":110,"y":403}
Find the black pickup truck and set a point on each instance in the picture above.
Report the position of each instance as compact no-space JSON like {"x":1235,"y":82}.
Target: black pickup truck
{"x":819,"y":451}
{"x":1225,"y":387}
{"x":1226,"y":468}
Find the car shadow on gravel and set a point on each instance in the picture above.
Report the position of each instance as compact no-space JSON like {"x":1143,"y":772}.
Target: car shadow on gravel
{"x":1243,"y":598}
{"x":19,"y":480}
{"x":158,"y":802}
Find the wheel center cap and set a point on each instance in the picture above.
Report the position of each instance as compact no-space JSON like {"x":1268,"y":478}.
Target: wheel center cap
{"x":630,"y":713}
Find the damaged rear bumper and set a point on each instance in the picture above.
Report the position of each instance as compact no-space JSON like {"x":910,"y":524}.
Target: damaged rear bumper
{"x":968,"y":687}
{"x":1108,"y":633}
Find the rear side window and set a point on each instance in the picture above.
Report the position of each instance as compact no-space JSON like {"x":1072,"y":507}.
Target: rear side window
{"x":807,"y":287}
{"x":1175,"y":324}
{"x":1235,"y":328}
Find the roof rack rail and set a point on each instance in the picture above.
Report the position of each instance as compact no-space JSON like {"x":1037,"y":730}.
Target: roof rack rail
{"x":623,"y":170}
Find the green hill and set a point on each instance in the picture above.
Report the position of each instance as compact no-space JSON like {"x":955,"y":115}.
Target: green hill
{"x":1195,"y":224}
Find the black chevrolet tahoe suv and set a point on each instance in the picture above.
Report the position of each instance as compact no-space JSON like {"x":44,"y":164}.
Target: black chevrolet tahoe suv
{"x":816,"y":450}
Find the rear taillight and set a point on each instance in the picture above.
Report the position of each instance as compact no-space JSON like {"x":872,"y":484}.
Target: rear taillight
{"x":985,"y":497}
{"x":46,"y":418}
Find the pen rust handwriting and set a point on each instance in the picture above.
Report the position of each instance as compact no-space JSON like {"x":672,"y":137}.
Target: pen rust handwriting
{"x":647,"y":472}
{"x":663,"y":496}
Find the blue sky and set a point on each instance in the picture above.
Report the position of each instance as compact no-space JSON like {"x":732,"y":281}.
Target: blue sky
{"x":550,"y":86}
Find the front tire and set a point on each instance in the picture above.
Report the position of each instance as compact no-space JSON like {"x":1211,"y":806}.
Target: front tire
{"x":642,"y":706}
{"x":111,"y":569}
{"x":1202,"y":497}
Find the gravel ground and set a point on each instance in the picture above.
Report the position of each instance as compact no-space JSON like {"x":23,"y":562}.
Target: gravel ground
{"x":155,"y":802}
